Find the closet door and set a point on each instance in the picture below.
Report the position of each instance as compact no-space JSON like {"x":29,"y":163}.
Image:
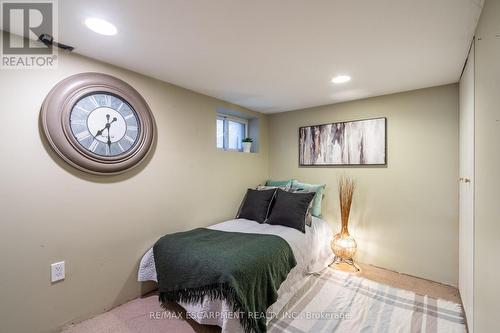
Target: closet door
{"x":466,"y":190}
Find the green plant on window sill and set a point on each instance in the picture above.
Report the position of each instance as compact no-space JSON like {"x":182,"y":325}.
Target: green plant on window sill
{"x":247,"y":144}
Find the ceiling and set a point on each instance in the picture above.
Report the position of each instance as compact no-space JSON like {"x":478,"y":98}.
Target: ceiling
{"x":280,"y":55}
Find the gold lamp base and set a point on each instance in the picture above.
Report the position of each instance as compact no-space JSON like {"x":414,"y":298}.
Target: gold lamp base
{"x":344,"y":246}
{"x":347,"y":265}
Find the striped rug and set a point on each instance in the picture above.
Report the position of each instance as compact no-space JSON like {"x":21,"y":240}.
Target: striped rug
{"x":336,"y":301}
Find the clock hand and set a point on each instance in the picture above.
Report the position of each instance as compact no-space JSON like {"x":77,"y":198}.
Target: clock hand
{"x":108,"y":126}
{"x":99,"y":132}
{"x":109,"y":141}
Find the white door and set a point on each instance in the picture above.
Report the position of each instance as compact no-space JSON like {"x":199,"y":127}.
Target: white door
{"x":466,"y":189}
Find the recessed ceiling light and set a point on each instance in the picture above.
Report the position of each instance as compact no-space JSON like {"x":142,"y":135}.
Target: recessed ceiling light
{"x":341,"y":79}
{"x":100,"y":26}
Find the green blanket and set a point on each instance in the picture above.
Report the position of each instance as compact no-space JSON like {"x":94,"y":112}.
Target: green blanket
{"x":244,"y":269}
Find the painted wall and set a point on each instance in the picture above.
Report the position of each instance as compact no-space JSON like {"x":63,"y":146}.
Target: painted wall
{"x":405,"y":215}
{"x":487,"y":186}
{"x":101,"y":226}
{"x":466,"y":191}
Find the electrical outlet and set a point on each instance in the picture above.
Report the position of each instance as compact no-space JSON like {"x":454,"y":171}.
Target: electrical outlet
{"x":57,"y":271}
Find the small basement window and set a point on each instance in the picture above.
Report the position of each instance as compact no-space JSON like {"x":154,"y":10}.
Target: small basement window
{"x":230,"y":131}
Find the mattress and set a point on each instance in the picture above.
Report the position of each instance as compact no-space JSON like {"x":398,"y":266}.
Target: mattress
{"x":311,"y":250}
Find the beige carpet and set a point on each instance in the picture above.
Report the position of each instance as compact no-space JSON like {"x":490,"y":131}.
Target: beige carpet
{"x":346,"y":303}
{"x":145,"y":315}
{"x":407,"y":282}
{"x":142,"y":315}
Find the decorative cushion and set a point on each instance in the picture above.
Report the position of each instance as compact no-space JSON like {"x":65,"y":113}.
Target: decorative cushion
{"x":290,"y":209}
{"x":265,"y":187}
{"x":309,"y":209}
{"x":280,"y":183}
{"x":256,"y":205}
{"x":318,"y":198}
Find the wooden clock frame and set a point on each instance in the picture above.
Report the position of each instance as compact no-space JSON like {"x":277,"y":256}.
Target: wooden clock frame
{"x":55,"y":118}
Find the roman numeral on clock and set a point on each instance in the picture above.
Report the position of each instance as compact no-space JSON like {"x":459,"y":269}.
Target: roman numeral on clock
{"x":82,"y":109}
{"x":129,"y":139}
{"x":92,"y":98}
{"x":78,"y":122}
{"x":93,"y":145}
{"x":83,"y":135}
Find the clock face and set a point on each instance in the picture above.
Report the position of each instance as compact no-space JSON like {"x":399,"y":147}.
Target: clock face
{"x":104,"y":124}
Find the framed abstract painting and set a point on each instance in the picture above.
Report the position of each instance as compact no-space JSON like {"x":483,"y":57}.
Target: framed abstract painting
{"x":360,"y":142}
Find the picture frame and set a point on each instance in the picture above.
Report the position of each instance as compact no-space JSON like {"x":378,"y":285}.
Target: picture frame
{"x":350,"y":143}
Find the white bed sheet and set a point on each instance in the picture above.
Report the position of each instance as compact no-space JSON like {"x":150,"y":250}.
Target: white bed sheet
{"x":311,"y":250}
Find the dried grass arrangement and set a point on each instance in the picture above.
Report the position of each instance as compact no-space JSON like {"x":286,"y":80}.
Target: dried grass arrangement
{"x":347,"y":185}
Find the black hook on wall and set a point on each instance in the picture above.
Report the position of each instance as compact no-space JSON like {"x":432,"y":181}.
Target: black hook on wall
{"x":48,"y":40}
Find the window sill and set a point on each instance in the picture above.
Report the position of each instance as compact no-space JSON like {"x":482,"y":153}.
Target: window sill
{"x":236,"y":151}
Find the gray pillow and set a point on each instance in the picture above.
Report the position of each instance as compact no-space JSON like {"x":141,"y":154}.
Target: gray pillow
{"x":290,"y":209}
{"x":256,"y":205}
{"x":309,"y":209}
{"x":267,"y":187}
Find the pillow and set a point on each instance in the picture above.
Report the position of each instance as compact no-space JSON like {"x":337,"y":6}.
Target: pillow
{"x":309,"y":208}
{"x":255,"y":205}
{"x":280,"y":183}
{"x":318,"y":198}
{"x":265,"y":187}
{"x":290,"y":209}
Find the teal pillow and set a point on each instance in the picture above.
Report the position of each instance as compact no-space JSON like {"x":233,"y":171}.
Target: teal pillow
{"x":280,"y":183}
{"x":318,"y":197}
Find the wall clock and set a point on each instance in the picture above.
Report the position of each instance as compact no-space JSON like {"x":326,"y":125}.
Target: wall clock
{"x":98,"y":123}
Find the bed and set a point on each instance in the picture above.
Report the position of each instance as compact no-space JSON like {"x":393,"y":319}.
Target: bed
{"x":311,"y":250}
